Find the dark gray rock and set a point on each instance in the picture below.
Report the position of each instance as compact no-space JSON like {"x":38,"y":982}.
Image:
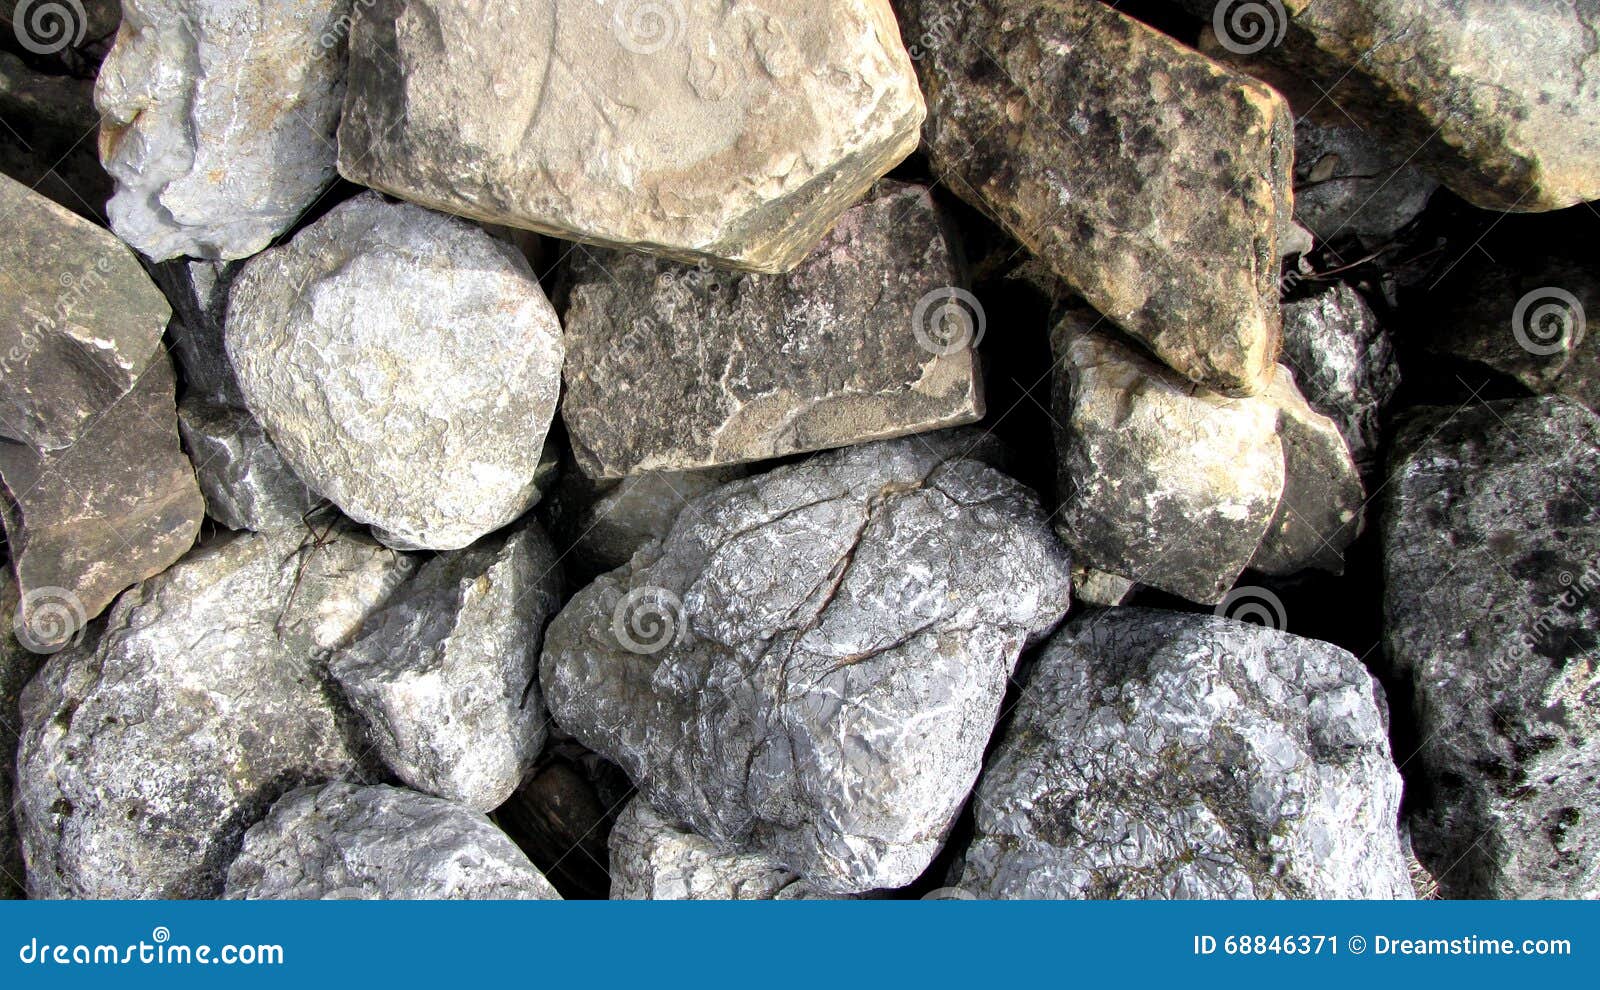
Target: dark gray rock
{"x":561,"y":816}
{"x":49,"y":147}
{"x":1165,"y":755}
{"x":1345,"y":364}
{"x":1491,"y":606}
{"x":810,"y":664}
{"x":17,"y":666}
{"x":245,"y":481}
{"x":198,"y":291}
{"x":1348,"y":185}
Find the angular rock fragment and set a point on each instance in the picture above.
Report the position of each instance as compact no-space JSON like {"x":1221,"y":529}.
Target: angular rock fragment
{"x":1168,"y":223}
{"x":1345,"y":364}
{"x":1347,"y":185}
{"x":1095,"y":587}
{"x":810,"y":664}
{"x":347,"y":842}
{"x":198,"y":291}
{"x":1491,"y":604}
{"x":17,"y":666}
{"x":245,"y":481}
{"x":652,"y":860}
{"x":1165,"y":755}
{"x":405,"y":364}
{"x":89,"y":520}
{"x":145,"y":757}
{"x":673,"y":368}
{"x":49,"y":122}
{"x":446,"y":674}
{"x":79,"y":320}
{"x":219,"y":119}
{"x":684,"y":129}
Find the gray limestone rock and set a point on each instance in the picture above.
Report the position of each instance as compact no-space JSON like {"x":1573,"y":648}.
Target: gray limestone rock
{"x":1345,"y":364}
{"x":673,"y":368}
{"x":245,"y":481}
{"x":1491,"y":604}
{"x":219,"y":120}
{"x":446,"y":674}
{"x":81,"y":320}
{"x":653,"y":860}
{"x":346,"y":842}
{"x":811,"y":662}
{"x":87,"y":521}
{"x":146,"y":756}
{"x":405,"y":364}
{"x":689,"y":129}
{"x":1168,"y":223}
{"x":1165,"y":755}
{"x":1348,"y":185}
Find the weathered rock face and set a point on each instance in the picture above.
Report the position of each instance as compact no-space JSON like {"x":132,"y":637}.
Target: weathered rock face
{"x":219,"y":119}
{"x":1165,"y":755}
{"x":81,"y":320}
{"x":405,"y":364}
{"x":1500,"y":100}
{"x":811,"y":662}
{"x":198,"y":291}
{"x":245,"y":482}
{"x":144,"y":758}
{"x":1345,"y":364}
{"x":87,"y":521}
{"x":446,"y":675}
{"x":1349,"y":185}
{"x":17,"y":665}
{"x":47,"y":117}
{"x":688,"y":130}
{"x":346,"y":842}
{"x":673,"y":368}
{"x":653,"y":860}
{"x":1492,"y":599}
{"x":1166,"y":223}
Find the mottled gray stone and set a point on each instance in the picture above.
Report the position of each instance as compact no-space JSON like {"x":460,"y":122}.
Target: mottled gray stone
{"x":245,"y":482}
{"x":1164,"y":755}
{"x":653,"y":860}
{"x":1168,"y":223}
{"x":87,"y":521}
{"x":689,"y":129}
{"x":145,"y":757}
{"x":17,"y":666}
{"x":219,"y":119}
{"x":672,"y":368}
{"x":1348,"y":185}
{"x":405,"y":364}
{"x":50,"y":124}
{"x":79,"y":320}
{"x":198,"y":291}
{"x":1345,"y":364}
{"x":347,"y":842}
{"x":810,"y":664}
{"x":446,"y":674}
{"x":1096,"y":587}
{"x":1491,"y":605}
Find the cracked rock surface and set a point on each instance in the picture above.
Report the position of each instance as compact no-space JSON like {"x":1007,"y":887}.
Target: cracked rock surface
{"x":810,"y":664}
{"x":1345,"y":364}
{"x":673,"y":368}
{"x":1165,"y":755}
{"x":347,"y":842}
{"x":1040,"y":115}
{"x":405,"y":364}
{"x":1492,"y":600}
{"x":446,"y":674}
{"x":653,"y":860}
{"x":245,"y":481}
{"x":198,"y":291}
{"x":695,"y":130}
{"x":218,"y":121}
{"x":146,"y":755}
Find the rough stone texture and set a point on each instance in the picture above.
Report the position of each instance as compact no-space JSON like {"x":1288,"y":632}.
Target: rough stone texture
{"x":1164,"y":755}
{"x":198,"y":291}
{"x":446,"y":674}
{"x":1500,"y":101}
{"x":1095,"y":587}
{"x":17,"y":666}
{"x":1168,"y":223}
{"x":653,"y":860}
{"x":1349,"y":185}
{"x":244,"y":480}
{"x":672,"y":368}
{"x":79,"y":320}
{"x":1168,"y":485}
{"x":406,"y":365}
{"x":85,"y":522}
{"x":1491,"y":603}
{"x":1345,"y":364}
{"x":810,"y":664}
{"x":48,"y":119}
{"x":346,"y":842}
{"x":1321,"y":511}
{"x":144,"y":758}
{"x":689,"y":129}
{"x":219,"y":120}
